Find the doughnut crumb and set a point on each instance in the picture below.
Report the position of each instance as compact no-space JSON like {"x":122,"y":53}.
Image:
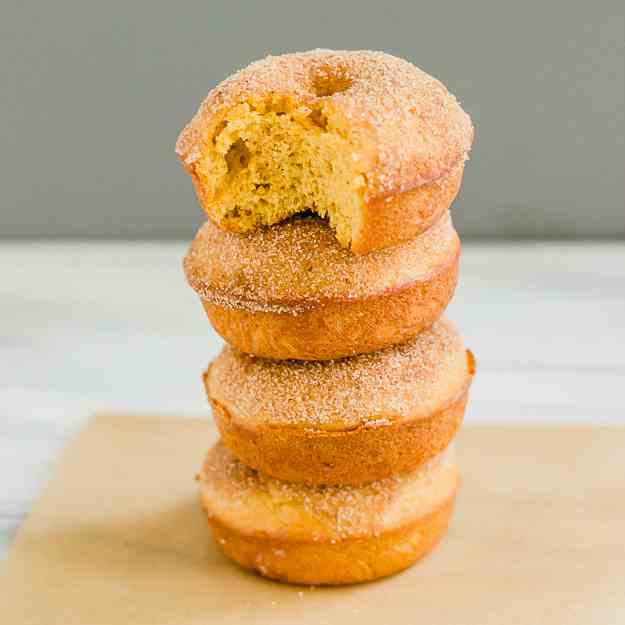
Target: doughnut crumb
{"x":271,"y":159}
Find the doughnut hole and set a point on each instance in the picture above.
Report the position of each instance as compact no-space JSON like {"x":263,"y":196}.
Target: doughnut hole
{"x":271,"y":159}
{"x":327,"y":81}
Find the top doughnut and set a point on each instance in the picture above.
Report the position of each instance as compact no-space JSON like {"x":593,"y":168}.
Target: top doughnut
{"x":364,"y":138}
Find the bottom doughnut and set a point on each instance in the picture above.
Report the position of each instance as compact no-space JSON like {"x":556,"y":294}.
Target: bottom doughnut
{"x":349,"y":561}
{"x":330,"y":535}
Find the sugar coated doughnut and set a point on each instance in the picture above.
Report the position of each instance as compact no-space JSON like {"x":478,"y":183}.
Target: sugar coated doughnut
{"x":291,"y":291}
{"x":364,"y":138}
{"x":347,"y":421}
{"x":326,"y":535}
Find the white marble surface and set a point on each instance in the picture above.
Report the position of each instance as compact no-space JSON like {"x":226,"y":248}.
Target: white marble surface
{"x":95,"y":327}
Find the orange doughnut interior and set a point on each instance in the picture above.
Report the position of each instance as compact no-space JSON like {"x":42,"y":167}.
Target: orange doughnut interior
{"x":272,"y":158}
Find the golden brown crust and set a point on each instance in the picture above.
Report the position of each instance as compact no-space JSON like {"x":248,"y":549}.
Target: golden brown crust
{"x":404,"y":216}
{"x":339,"y":329}
{"x":350,"y":457}
{"x":346,"y":561}
{"x":291,"y":291}
{"x":407,"y":129}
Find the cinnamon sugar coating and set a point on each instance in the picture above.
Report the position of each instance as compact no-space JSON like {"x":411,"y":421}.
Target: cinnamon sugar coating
{"x":295,"y":265}
{"x":408,"y":129}
{"x":413,"y":380}
{"x":252,"y":502}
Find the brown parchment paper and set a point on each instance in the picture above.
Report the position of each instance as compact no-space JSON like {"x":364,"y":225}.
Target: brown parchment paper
{"x":118,"y":538}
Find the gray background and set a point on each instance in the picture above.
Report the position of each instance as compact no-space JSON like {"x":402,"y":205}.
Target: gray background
{"x":94,"y":94}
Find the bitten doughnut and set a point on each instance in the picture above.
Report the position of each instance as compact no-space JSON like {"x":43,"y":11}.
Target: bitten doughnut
{"x":325,"y":535}
{"x":347,"y":421}
{"x":290,"y":290}
{"x":364,"y":138}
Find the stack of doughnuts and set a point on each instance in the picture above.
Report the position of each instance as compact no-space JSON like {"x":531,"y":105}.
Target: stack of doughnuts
{"x":326,"y":263}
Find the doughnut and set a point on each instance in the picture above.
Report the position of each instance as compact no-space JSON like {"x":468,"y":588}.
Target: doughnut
{"x":325,"y":534}
{"x":347,"y":421}
{"x":363,"y":138}
{"x":290,"y":291}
